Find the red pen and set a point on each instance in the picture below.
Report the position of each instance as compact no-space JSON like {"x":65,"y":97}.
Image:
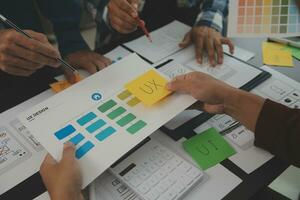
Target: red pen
{"x":141,"y":24}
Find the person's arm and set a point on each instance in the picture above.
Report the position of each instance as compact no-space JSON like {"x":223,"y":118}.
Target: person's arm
{"x":276,"y":127}
{"x":207,"y":32}
{"x":65,"y":16}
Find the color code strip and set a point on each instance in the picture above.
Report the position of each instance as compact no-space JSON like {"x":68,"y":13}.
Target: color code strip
{"x":107,"y":105}
{"x":77,"y":139}
{"x":126,"y":120}
{"x":64,"y":132}
{"x":86,"y":147}
{"x":124,"y":95}
{"x":136,"y":127}
{"x":86,"y":118}
{"x":95,"y":126}
{"x":133,"y":102}
{"x":116,"y":113}
{"x":105,"y":133}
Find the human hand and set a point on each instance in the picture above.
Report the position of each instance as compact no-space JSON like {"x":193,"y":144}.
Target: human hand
{"x":87,"y":60}
{"x":62,"y":179}
{"x":209,"y":39}
{"x":122,"y":14}
{"x":22,"y":56}
{"x":211,"y":92}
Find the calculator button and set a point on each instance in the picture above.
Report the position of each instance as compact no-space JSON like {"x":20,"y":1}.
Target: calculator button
{"x":143,"y":189}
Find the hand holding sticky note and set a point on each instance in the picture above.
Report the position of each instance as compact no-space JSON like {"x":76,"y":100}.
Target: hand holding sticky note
{"x":149,"y":88}
{"x":208,"y":148}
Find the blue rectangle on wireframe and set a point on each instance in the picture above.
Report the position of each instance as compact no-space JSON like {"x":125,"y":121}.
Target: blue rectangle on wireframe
{"x":86,"y":118}
{"x":95,"y":126}
{"x":64,"y":132}
{"x":105,"y":133}
{"x":86,"y":147}
{"x":76,"y":139}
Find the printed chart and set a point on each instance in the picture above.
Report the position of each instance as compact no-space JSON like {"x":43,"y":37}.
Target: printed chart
{"x":263,"y":18}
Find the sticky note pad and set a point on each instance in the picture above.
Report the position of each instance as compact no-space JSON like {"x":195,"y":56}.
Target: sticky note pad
{"x":149,"y":88}
{"x":208,"y":148}
{"x":277,"y":55}
{"x":64,"y":84}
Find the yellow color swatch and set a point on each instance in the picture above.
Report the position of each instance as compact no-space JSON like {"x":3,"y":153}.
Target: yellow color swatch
{"x":64,"y":84}
{"x":275,"y":56}
{"x":150,"y":87}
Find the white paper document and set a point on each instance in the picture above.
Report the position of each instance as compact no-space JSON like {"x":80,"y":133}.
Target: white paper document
{"x":239,"y":53}
{"x":89,"y":115}
{"x":165,"y":42}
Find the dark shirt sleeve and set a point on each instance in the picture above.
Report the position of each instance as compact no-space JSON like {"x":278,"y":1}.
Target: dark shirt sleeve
{"x":278,"y":131}
{"x":65,"y":17}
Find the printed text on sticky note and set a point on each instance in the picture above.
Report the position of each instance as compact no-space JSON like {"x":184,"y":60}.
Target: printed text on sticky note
{"x":208,"y":148}
{"x":149,"y":88}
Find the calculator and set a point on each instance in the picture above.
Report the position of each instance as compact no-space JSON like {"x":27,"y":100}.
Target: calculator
{"x":154,"y":172}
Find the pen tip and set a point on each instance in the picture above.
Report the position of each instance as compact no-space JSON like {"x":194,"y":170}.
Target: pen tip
{"x":2,"y":18}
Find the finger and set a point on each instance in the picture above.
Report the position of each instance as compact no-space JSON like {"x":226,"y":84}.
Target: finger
{"x":125,"y":6}
{"x":219,"y":49}
{"x":38,"y":36}
{"x":70,"y":76}
{"x":69,"y":152}
{"x":210,"y":51}
{"x":179,"y":85}
{"x":90,"y":67}
{"x":103,"y":59}
{"x":122,"y":26}
{"x":13,"y":70}
{"x":187,"y":40}
{"x":230,"y":44}
{"x":199,"y":49}
{"x":47,"y":55}
{"x":134,"y":3}
{"x":19,"y":62}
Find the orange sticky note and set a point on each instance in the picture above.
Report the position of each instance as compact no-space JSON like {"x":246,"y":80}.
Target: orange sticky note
{"x":149,"y":88}
{"x":64,"y":84}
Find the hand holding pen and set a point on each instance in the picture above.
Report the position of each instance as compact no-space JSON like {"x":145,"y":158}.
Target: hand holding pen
{"x":123,"y":16}
{"x":24,"y":52}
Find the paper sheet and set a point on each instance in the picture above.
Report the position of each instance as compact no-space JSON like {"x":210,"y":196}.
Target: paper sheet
{"x":13,"y":168}
{"x":165,"y":42}
{"x":263,"y":18}
{"x":92,"y":108}
{"x":239,"y":53}
{"x":288,"y":183}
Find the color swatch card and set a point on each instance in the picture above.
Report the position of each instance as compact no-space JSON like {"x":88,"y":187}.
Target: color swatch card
{"x":102,"y":118}
{"x":208,"y":148}
{"x":254,"y":18}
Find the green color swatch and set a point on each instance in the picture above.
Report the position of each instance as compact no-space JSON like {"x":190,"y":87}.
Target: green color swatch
{"x":116,"y":113}
{"x":136,"y":127}
{"x":126,"y":120}
{"x":208,"y":148}
{"x":106,"y":106}
{"x":124,"y":95}
{"x":133,"y":102}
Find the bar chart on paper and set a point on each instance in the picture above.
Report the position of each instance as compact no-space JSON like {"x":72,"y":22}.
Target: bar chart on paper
{"x":253,"y":18}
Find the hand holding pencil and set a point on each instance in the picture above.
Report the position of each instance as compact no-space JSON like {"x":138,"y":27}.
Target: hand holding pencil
{"x":123,"y":16}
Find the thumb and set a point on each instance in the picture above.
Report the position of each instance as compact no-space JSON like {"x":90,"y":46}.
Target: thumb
{"x":70,"y":76}
{"x":179,"y":85}
{"x":68,"y":153}
{"x":134,"y":4}
{"x":186,"y":40}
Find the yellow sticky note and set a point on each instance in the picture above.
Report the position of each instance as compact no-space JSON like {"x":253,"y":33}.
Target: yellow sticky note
{"x":64,"y":84}
{"x":149,"y":88}
{"x":273,"y":55}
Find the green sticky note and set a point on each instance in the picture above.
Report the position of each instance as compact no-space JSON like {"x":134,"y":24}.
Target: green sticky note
{"x":208,"y":148}
{"x":295,"y":51}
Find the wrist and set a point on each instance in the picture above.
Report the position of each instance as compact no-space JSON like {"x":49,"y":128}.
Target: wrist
{"x":66,"y":196}
{"x":230,"y":101}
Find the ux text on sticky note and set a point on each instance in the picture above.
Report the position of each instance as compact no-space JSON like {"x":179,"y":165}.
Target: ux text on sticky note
{"x":149,"y":88}
{"x":208,"y":148}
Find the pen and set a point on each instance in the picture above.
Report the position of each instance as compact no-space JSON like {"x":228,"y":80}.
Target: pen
{"x":16,"y":28}
{"x":285,"y":42}
{"x":141,"y":24}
